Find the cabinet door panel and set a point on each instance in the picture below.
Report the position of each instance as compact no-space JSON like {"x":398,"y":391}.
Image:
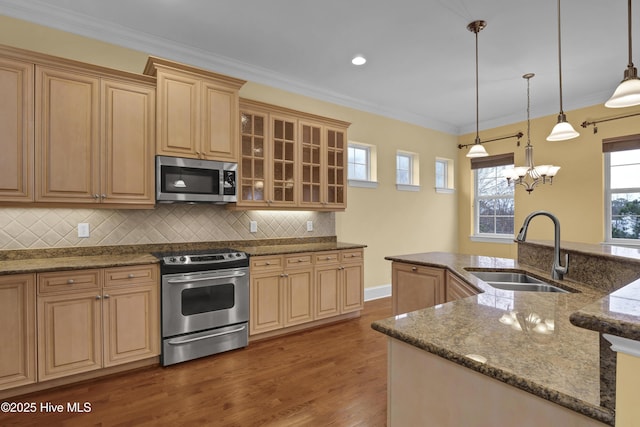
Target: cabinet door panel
{"x":67,"y":122}
{"x":69,"y":334}
{"x":131,"y":324}
{"x":327,"y":292}
{"x":336,"y":168}
{"x":299,"y":297}
{"x":266,"y":303}
{"x":353,"y":288}
{"x":253,"y":166}
{"x":220,"y":123}
{"x":284,"y":177}
{"x":128,"y":143}
{"x":16,"y":130}
{"x":311,"y":163}
{"x":416,"y":287}
{"x":177,"y":121}
{"x":18,"y":332}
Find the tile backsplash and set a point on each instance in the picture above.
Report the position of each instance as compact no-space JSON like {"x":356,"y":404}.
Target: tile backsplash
{"x":57,"y":228}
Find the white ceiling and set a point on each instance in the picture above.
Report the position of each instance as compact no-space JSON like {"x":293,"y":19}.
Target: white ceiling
{"x":421,"y":57}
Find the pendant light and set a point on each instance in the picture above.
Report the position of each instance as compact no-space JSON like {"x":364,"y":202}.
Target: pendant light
{"x":627,"y":94}
{"x":529,"y":175}
{"x":477,"y":150}
{"x":563,"y":129}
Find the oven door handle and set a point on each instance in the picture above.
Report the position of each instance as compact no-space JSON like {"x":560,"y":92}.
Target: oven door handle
{"x":219,"y":334}
{"x":202,"y":279}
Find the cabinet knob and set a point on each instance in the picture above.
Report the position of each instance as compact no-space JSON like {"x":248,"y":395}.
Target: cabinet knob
{"x":70,"y":282}
{"x":414,"y":268}
{"x":107,"y":296}
{"x":104,"y":196}
{"x":131,"y":276}
{"x":300,"y":260}
{"x":96,"y":196}
{"x":98,"y":297}
{"x":267,"y":263}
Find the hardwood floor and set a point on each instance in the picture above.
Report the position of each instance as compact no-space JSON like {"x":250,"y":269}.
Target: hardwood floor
{"x":331,"y":376}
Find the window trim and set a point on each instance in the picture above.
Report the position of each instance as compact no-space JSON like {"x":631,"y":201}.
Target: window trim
{"x":481,"y":163}
{"x":372,"y":172}
{"x":610,"y":145}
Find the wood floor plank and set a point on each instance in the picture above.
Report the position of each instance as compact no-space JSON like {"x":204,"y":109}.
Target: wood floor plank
{"x":335,"y":375}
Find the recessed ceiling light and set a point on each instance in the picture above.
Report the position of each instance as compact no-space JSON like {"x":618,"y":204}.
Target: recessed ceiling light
{"x":358,"y":60}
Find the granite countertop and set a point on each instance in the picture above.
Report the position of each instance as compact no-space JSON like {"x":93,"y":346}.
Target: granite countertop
{"x":559,"y":364}
{"x":34,"y":261}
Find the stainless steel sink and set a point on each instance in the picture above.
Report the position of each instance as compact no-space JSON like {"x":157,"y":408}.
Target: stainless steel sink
{"x":515,"y":281}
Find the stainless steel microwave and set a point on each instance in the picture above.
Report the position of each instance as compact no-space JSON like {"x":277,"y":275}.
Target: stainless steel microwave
{"x":181,"y":180}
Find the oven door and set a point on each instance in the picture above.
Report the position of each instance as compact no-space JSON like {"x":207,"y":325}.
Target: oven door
{"x":194,"y":302}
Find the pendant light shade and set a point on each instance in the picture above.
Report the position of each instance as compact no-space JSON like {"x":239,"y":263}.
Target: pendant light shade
{"x":627,"y":94}
{"x":563,"y":129}
{"x":477,"y":150}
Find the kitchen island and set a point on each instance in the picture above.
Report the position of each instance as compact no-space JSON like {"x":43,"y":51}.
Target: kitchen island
{"x":480,"y":360}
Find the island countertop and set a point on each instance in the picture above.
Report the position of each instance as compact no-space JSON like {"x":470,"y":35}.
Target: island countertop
{"x":560,"y":364}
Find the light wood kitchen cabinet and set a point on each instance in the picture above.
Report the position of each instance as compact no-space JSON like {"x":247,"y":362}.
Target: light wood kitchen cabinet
{"x":197,"y":111}
{"x":414,"y":287}
{"x":16,"y":130}
{"x":73,"y":133}
{"x":304,"y":289}
{"x":18,"y":332}
{"x":281,"y":292}
{"x":339,"y":277}
{"x":90,"y":319}
{"x":290,"y":159}
{"x":69,"y":323}
{"x":67,"y":136}
{"x":94,"y":140}
{"x":130,"y":314}
{"x":456,"y":288}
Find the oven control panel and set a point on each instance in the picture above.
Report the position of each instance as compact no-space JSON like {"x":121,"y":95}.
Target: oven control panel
{"x":212,"y":258}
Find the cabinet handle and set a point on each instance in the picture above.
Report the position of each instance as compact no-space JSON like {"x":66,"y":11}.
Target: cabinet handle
{"x":98,"y":297}
{"x":70,"y":282}
{"x":107,"y":296}
{"x":131,"y":276}
{"x":414,"y":268}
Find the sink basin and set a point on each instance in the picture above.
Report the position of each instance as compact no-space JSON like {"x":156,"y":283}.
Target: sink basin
{"x":515,"y":281}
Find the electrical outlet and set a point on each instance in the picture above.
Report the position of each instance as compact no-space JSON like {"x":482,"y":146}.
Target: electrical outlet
{"x":253,"y":226}
{"x":83,"y":230}
{"x":309,"y":225}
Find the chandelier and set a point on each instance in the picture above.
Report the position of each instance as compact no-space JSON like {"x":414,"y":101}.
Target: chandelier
{"x":529,"y":176}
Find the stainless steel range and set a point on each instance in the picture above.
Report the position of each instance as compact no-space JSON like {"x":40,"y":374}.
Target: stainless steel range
{"x":205,"y":303}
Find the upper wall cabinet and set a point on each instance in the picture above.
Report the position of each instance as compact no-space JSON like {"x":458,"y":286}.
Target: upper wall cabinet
{"x":197,"y":111}
{"x":16,"y":130}
{"x":74,"y":133}
{"x":290,"y":159}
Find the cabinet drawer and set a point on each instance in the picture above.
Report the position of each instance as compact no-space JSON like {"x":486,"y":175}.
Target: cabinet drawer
{"x":130,"y":275}
{"x":266,"y":263}
{"x":327,"y":258}
{"x":355,"y":255}
{"x":69,"y":281}
{"x":300,"y":260}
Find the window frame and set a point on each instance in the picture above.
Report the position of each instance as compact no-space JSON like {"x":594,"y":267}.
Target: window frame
{"x":413,"y":171}
{"x":500,"y":160}
{"x":610,"y":145}
{"x":447,"y":175}
{"x":371,"y":168}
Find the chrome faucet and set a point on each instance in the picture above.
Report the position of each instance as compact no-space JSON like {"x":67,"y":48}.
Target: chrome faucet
{"x":557,"y":270}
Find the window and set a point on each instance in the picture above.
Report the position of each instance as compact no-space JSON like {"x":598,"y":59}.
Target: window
{"x":407,"y":171}
{"x":444,"y":175}
{"x":361,"y":165}
{"x":622,"y":189}
{"x":494,"y":198}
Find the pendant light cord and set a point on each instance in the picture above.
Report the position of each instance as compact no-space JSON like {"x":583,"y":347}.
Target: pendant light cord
{"x":629,"y":25}
{"x":477,"y":95}
{"x":560,"y":57}
{"x":528,"y":77}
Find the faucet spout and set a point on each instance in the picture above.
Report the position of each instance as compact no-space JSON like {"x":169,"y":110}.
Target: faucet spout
{"x":557,"y":270}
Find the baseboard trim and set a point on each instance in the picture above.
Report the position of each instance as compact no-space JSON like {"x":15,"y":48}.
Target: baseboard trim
{"x":377,"y":292}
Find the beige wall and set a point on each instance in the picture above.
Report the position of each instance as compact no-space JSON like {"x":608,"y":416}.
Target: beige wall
{"x":388,"y":221}
{"x":576,"y":196}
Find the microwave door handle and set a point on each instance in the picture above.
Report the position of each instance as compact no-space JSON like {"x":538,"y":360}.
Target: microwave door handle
{"x":201,"y":279}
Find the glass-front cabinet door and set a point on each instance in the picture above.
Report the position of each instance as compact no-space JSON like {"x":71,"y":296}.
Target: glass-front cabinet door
{"x":253,"y":188}
{"x":336,"y":168}
{"x":311,"y":163}
{"x":284,"y":157}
